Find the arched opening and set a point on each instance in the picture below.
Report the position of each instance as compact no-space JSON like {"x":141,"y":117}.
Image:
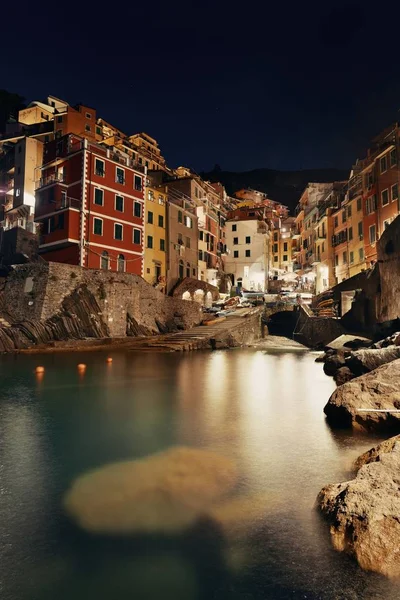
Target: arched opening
{"x":187,"y":269}
{"x":121,"y":263}
{"x":199,"y":296}
{"x":208,"y":300}
{"x":186,"y":296}
{"x":105,"y":260}
{"x":181,"y":268}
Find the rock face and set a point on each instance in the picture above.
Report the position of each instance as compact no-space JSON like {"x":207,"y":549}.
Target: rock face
{"x":362,"y":361}
{"x":379,"y":390}
{"x":343,"y":375}
{"x":364,"y":513}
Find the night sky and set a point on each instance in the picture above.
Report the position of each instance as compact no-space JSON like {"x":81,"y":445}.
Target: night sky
{"x":245,"y":86}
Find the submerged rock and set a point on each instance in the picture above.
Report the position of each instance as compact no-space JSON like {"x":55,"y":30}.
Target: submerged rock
{"x":166,"y":492}
{"x":364,"y":513}
{"x":355,"y":403}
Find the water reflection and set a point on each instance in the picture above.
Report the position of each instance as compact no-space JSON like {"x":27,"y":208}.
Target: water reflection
{"x":263,"y":410}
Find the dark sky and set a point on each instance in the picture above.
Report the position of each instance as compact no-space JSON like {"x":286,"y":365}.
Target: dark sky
{"x":282,"y":85}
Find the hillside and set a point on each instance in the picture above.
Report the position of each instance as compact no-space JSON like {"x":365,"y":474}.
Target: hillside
{"x":282,"y":186}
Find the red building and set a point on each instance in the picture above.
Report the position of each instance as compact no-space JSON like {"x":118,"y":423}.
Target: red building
{"x":89,"y":203}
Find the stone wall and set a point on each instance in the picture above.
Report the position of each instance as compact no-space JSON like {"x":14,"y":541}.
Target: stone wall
{"x":316,"y":331}
{"x":389,"y":270}
{"x":37,"y":291}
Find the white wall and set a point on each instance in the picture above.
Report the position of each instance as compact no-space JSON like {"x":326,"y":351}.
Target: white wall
{"x":253,"y":269}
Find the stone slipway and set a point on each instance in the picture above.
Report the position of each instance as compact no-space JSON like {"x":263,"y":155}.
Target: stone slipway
{"x":241,"y":328}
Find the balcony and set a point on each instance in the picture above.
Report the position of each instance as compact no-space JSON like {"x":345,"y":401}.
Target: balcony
{"x":51,"y":179}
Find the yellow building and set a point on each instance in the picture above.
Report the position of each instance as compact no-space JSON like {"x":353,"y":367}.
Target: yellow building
{"x":355,"y":225}
{"x":155,"y":236}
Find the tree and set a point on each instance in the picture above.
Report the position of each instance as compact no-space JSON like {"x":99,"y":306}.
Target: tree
{"x":10,"y":104}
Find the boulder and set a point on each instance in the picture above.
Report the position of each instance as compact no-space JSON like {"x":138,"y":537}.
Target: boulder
{"x":363,"y":361}
{"x":364,"y":513}
{"x":343,"y":375}
{"x":370,"y":402}
{"x":333,"y":362}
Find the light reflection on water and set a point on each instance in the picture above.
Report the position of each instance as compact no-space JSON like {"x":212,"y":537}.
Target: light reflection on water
{"x":263,"y":410}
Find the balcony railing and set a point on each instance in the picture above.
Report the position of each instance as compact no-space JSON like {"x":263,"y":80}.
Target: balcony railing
{"x":50,"y":179}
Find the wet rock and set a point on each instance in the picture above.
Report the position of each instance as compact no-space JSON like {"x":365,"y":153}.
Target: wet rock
{"x":364,"y":513}
{"x":391,"y":340}
{"x":363,"y":361}
{"x":321,"y":358}
{"x":333,"y":362}
{"x":343,"y":375}
{"x":354,"y":404}
{"x":166,"y":493}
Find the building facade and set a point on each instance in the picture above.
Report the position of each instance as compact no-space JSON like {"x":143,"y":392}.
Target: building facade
{"x":90,"y":206}
{"x":183,"y":235}
{"x":155,"y":236}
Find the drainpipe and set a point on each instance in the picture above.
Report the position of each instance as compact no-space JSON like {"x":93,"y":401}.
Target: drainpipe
{"x":83,"y":208}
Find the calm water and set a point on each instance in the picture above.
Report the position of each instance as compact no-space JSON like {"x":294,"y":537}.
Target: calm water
{"x":263,"y":410}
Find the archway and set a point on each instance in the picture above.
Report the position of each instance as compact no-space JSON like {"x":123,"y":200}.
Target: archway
{"x":199,"y":296}
{"x":208,"y":300}
{"x":186,"y":296}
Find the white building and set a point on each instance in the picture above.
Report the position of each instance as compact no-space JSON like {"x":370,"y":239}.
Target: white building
{"x":248,"y":259}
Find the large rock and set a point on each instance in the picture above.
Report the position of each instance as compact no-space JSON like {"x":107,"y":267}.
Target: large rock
{"x":333,"y":363}
{"x":364,"y":513}
{"x":357,"y":402}
{"x":363,"y":361}
{"x":165,"y":492}
{"x":343,"y":375}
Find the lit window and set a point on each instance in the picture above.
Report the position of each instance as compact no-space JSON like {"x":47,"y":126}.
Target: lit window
{"x":98,"y":196}
{"x":150,"y":195}
{"x":119,"y":203}
{"x":188,"y":222}
{"x":118,"y":232}
{"x":98,"y":226}
{"x":120,"y":175}
{"x":160,"y":199}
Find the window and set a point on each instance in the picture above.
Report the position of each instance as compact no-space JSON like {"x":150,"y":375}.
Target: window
{"x":372,"y":234}
{"x":359,"y":203}
{"x":383,"y":164}
{"x":150,"y":217}
{"x":344,"y":257}
{"x":285,"y":246}
{"x":248,"y":239}
{"x":234,"y":227}
{"x":160,"y":220}
{"x":99,"y":131}
{"x":336,"y":222}
{"x":395,"y":192}
{"x":360,"y":230}
{"x":285,"y":257}
{"x":119,"y":203}
{"x":336,"y":260}
{"x":370,"y":205}
{"x":194,"y":272}
{"x":187,"y":242}
{"x":385,"y":197}
{"x":104,"y":261}
{"x":235,"y":241}
{"x":275,"y":249}
{"x":180,"y":239}
{"x":201,"y":235}
{"x":236,"y":254}
{"x":187,"y":270}
{"x":98,"y":226}
{"x":98,"y":196}
{"x":121,"y":263}
{"x":344,"y":216}
{"x":88,"y":116}
{"x":140,"y":160}
{"x":323,"y":247}
{"x":63,"y":199}
{"x":136,"y":236}
{"x":137,"y":209}
{"x":275,"y":236}
{"x":247,"y":253}
{"x":275,"y":259}
{"x":119,"y":175}
{"x":350,"y":237}
{"x":180,"y":216}
{"x":61,"y":221}
{"x":149,"y":241}
{"x":181,"y":269}
{"x":99,"y":167}
{"x":162,"y":245}
{"x":160,"y":199}
{"x":393,"y":157}
{"x":87,"y":128}
{"x":200,"y":254}
{"x":59,"y":119}
{"x":138,"y":183}
{"x":361,"y":253}
{"x":349,"y":211}
{"x":118,"y":232}
{"x":351,"y":257}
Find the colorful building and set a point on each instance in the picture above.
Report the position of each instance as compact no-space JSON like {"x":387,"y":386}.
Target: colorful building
{"x":155,"y":235}
{"x":89,"y":204}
